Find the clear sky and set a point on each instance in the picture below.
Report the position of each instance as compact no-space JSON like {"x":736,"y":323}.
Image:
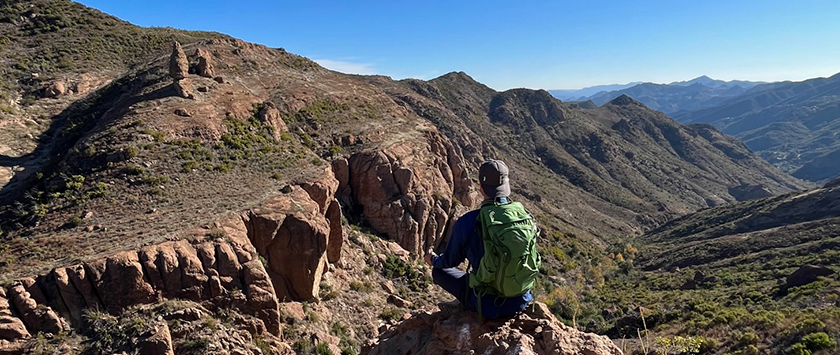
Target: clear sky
{"x":536,"y":44}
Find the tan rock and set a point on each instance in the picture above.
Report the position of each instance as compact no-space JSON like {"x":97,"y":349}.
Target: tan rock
{"x":33,"y":315}
{"x":119,"y":282}
{"x":184,"y":88}
{"x":157,"y":342}
{"x":401,"y":196}
{"x":228,"y":267}
{"x":179,"y":66}
{"x":193,"y":279}
{"x":12,"y":328}
{"x":55,"y":89}
{"x":292,"y":311}
{"x":271,"y":115}
{"x":205,"y":63}
{"x":72,"y":298}
{"x":78,"y":275}
{"x":286,"y":220}
{"x":535,"y":331}
{"x":262,"y":301}
{"x":322,"y":190}
{"x":399,"y":301}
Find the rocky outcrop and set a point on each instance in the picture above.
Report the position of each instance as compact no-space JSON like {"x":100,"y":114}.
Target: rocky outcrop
{"x":55,"y":89}
{"x":157,"y":341}
{"x":199,"y":270}
{"x":184,"y":88}
{"x":179,"y":66}
{"x":292,"y":235}
{"x":747,"y":192}
{"x":408,"y":191}
{"x":11,"y":327}
{"x":535,"y":331}
{"x":271,"y":115}
{"x":205,"y":63}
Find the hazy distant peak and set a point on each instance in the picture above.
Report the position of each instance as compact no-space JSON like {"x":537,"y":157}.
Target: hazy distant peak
{"x":624,"y":100}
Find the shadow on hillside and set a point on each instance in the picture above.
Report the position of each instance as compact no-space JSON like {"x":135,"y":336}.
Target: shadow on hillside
{"x":77,"y":121}
{"x":9,"y":161}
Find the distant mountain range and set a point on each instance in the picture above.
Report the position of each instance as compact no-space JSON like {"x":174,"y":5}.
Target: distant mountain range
{"x":794,"y":125}
{"x":694,"y":94}
{"x":583,"y":94}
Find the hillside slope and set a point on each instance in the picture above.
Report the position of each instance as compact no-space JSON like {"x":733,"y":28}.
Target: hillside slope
{"x":275,"y":194}
{"x":754,"y":276}
{"x":794,"y":125}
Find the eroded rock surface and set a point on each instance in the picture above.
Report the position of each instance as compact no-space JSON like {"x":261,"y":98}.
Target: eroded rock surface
{"x":199,"y":270}
{"x":179,"y":66}
{"x":535,"y":331}
{"x":205,"y":63}
{"x":409,"y":190}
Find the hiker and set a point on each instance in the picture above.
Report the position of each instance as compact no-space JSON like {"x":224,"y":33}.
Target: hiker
{"x":502,"y":233}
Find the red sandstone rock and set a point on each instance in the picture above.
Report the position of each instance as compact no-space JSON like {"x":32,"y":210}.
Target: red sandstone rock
{"x":535,"y":331}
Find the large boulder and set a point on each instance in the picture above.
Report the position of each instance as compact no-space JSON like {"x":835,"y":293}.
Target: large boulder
{"x":179,"y":66}
{"x":408,"y":190}
{"x":205,"y":63}
{"x":291,"y":233}
{"x":55,"y":89}
{"x":183,"y":88}
{"x":807,"y":274}
{"x":534,"y":331}
{"x":270,"y":115}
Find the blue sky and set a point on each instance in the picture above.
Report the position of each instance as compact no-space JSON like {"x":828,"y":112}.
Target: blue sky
{"x":536,"y":44}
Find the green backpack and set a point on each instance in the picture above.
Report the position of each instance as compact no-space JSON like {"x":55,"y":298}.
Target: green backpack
{"x":511,"y":262}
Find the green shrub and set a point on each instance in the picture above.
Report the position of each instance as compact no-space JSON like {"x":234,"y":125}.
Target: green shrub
{"x":323,"y":349}
{"x":396,"y":268}
{"x":392,"y":314}
{"x":196,"y":345}
{"x":360,"y":286}
{"x":74,"y":222}
{"x":799,"y":349}
{"x":818,"y":341}
{"x":134,"y":170}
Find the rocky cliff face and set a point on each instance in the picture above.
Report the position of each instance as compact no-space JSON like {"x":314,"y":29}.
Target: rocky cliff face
{"x":409,"y":191}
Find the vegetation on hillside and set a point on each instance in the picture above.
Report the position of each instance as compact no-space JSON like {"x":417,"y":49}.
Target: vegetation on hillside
{"x":56,"y":38}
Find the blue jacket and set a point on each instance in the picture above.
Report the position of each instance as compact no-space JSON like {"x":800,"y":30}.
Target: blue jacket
{"x":465,"y":242}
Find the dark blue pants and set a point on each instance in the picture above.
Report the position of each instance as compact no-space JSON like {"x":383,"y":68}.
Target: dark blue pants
{"x":456,"y":282}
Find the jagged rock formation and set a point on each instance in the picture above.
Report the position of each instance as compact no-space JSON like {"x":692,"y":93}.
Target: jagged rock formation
{"x":179,"y":70}
{"x":199,"y":270}
{"x":179,"y":66}
{"x":271,"y":115}
{"x":291,"y":232}
{"x":408,"y":190}
{"x":205,"y":63}
{"x":535,"y":331}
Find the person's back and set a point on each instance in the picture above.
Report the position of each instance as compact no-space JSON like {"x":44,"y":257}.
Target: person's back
{"x":503,"y":238}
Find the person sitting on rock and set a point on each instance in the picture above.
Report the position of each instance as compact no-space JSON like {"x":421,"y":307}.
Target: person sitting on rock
{"x":499,"y":241}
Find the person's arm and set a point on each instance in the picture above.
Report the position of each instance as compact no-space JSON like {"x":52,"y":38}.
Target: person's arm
{"x":456,"y":248}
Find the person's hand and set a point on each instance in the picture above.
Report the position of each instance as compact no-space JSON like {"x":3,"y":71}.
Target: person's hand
{"x":429,"y":257}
